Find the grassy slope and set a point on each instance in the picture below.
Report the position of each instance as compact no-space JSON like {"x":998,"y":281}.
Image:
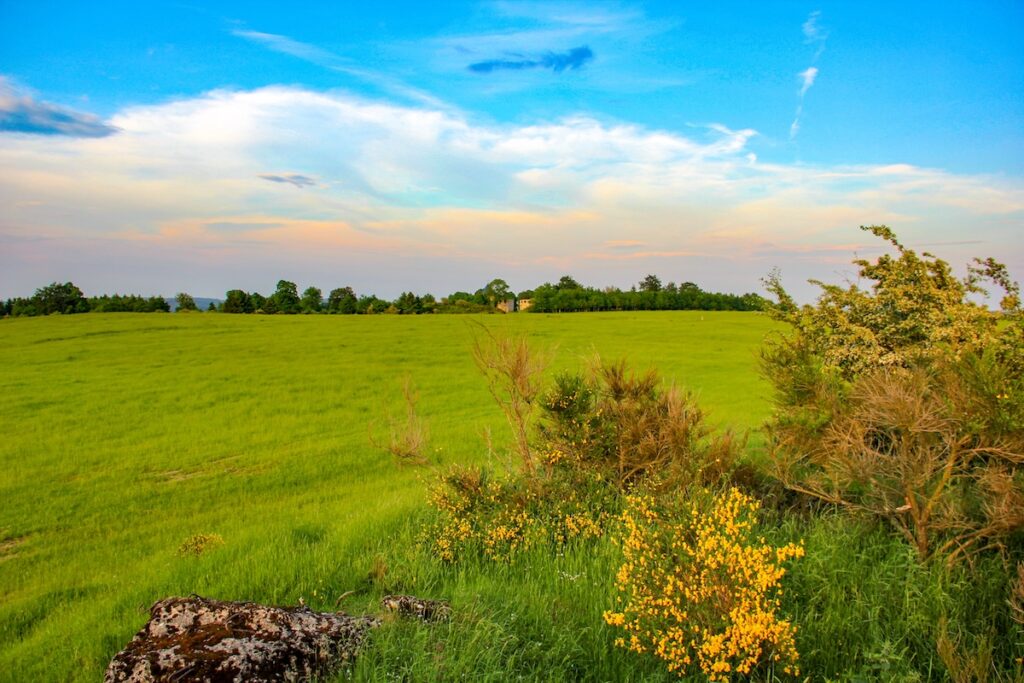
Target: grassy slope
{"x":125,"y":434}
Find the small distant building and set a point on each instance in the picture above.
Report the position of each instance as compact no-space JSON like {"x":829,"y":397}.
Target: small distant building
{"x":511,"y":305}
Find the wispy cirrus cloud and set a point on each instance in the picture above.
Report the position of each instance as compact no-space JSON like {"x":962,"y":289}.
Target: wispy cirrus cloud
{"x":338,"y":63}
{"x":814,"y":34}
{"x":20,"y":112}
{"x":557,"y":62}
{"x":523,"y":40}
{"x":295,"y":48}
{"x":807,"y":78}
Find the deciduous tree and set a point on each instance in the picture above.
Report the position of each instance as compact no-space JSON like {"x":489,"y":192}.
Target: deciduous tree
{"x":185,"y":302}
{"x":312,"y":300}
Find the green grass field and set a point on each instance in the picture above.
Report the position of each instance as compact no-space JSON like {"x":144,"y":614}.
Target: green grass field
{"x":124,"y":435}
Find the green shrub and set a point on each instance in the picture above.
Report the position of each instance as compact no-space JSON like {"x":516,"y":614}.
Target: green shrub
{"x":625,"y":426}
{"x":599,"y":436}
{"x":905,"y":400}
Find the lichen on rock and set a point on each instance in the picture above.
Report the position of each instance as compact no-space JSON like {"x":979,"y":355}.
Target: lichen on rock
{"x":196,"y":639}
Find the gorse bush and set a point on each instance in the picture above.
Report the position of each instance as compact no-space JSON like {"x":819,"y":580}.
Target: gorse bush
{"x":905,"y":400}
{"x":496,"y":517}
{"x":625,"y":427}
{"x":599,"y":436}
{"x":699,"y":589}
{"x":900,"y":446}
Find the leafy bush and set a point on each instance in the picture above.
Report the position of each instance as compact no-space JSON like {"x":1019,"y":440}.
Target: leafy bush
{"x":496,"y":517}
{"x":625,"y":426}
{"x":699,"y":590}
{"x":599,"y":437}
{"x":905,"y":400}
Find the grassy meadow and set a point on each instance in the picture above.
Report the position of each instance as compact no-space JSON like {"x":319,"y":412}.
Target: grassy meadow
{"x":125,"y":435}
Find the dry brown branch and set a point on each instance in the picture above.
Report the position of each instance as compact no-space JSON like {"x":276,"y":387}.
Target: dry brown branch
{"x":1017,"y":597}
{"x":901,"y":450}
{"x":513,"y":372}
{"x":961,"y":665}
{"x":407,"y":437}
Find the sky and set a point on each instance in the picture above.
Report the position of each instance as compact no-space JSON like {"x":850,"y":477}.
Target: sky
{"x":158,"y":147}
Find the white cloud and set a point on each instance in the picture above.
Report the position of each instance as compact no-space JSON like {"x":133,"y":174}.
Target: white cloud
{"x":447,"y":198}
{"x":295,"y":48}
{"x":815,"y":34}
{"x":812,"y":32}
{"x":807,"y":79}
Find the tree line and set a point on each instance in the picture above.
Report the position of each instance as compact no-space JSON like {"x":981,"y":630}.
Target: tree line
{"x":67,"y":298}
{"x":566,"y":295}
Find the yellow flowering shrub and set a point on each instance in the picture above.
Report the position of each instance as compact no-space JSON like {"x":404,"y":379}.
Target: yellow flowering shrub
{"x":498,"y":517}
{"x":698,"y":590}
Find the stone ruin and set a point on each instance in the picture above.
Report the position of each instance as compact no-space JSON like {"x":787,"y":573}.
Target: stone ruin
{"x":196,"y":639}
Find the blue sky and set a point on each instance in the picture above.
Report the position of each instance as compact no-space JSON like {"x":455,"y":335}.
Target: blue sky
{"x":153,"y":147}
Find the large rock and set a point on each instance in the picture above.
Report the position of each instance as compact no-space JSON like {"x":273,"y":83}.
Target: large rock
{"x":194,"y":639}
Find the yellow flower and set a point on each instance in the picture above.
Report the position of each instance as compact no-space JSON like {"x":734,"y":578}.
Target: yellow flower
{"x":713,"y":604}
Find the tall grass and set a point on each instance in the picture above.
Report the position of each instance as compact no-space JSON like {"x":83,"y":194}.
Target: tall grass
{"x":125,"y":435}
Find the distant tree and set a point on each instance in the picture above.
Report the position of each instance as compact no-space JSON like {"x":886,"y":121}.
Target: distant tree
{"x":651,"y":283}
{"x":59,"y":298}
{"x":312,"y":300}
{"x":754,"y":302}
{"x":22,"y":307}
{"x":237,"y":301}
{"x":185,"y":302}
{"x":525,"y":294}
{"x":257,"y":302}
{"x":342,"y":300}
{"x":408,"y":304}
{"x":567,"y":282}
{"x":495,"y":291}
{"x":157,"y":304}
{"x":286,"y":298}
{"x":371,"y":304}
{"x":212,"y":307}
